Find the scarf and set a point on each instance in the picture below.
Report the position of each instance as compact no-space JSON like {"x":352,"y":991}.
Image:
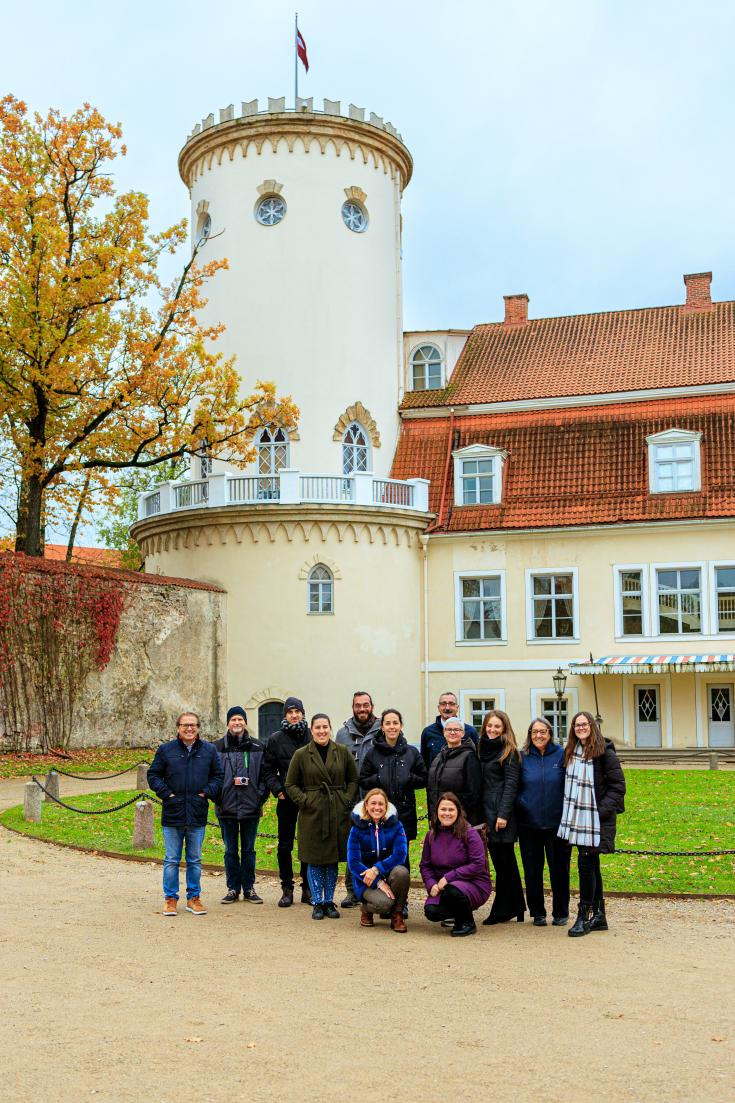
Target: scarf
{"x":294,"y":729}
{"x":580,"y":821}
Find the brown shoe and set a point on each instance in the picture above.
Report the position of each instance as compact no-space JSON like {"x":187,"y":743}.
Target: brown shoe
{"x":366,"y":918}
{"x":398,"y":923}
{"x":169,"y":906}
{"x":195,"y":906}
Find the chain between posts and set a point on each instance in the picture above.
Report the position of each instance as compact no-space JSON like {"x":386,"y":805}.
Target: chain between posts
{"x":100,"y":777}
{"x":148,"y":795}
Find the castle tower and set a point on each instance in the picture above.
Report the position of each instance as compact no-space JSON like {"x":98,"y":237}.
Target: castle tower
{"x":306,"y":207}
{"x":318,"y":550}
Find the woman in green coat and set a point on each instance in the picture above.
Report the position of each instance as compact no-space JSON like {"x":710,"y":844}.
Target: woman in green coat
{"x":322,"y":782}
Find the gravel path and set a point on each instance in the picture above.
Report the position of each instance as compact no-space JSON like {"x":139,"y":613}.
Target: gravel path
{"x":110,"y":1001}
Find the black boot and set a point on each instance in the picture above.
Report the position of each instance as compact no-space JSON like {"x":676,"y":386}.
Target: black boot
{"x":287,"y":899}
{"x":582,"y":922}
{"x":599,"y":919}
{"x":305,"y":894}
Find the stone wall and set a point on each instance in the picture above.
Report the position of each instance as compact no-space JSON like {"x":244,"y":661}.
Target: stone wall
{"x":170,"y":656}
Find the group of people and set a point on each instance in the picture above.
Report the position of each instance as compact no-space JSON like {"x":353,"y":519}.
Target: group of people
{"x":353,"y":798}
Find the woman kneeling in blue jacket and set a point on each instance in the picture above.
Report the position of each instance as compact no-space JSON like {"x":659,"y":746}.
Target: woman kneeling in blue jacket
{"x":376,"y":855}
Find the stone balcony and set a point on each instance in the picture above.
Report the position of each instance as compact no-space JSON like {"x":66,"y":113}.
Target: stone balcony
{"x":287,"y":488}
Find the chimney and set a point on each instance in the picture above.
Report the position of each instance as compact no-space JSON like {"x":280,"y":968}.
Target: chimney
{"x":516,"y":309}
{"x":698,"y":291}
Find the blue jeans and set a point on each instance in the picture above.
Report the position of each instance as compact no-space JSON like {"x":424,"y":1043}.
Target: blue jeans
{"x":174,"y":839}
{"x":240,"y":868}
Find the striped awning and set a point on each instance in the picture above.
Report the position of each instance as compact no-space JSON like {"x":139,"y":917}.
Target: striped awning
{"x":655,"y":664}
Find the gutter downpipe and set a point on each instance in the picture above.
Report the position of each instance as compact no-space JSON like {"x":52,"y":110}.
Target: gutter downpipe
{"x":425,"y":546}
{"x":437,"y":524}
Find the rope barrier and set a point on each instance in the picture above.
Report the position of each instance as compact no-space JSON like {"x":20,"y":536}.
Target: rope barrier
{"x":148,"y":795}
{"x":100,"y":777}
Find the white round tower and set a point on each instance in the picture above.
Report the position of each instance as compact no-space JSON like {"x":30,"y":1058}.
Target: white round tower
{"x":305,"y":205}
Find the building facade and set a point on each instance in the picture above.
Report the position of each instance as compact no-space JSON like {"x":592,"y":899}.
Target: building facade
{"x":468,"y":510}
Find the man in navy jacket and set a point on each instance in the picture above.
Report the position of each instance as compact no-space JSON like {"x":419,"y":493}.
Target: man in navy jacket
{"x":185,"y":773}
{"x":432,"y":737}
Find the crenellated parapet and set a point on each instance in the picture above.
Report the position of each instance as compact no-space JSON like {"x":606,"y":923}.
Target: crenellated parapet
{"x":354,"y":133}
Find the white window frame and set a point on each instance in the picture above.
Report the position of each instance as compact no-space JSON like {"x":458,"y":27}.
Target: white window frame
{"x":570,"y":695}
{"x":368,"y":446}
{"x":667,"y":439}
{"x":459,"y":639}
{"x":556,"y":641}
{"x":712,"y":580}
{"x":414,"y":351}
{"x":319,"y":582}
{"x":479,"y":452}
{"x":618,"y":570}
{"x":704,"y":600}
{"x":466,"y":695}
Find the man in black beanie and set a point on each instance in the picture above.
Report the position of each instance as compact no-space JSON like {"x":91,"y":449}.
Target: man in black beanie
{"x":280,"y":749}
{"x":244,"y":792}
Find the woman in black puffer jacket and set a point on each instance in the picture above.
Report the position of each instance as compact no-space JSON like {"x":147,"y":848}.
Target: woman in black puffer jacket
{"x":456,"y":770}
{"x":501,"y":766}
{"x":393,"y":765}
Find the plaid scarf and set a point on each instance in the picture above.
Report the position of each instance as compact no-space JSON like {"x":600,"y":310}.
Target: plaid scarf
{"x":580,"y":822}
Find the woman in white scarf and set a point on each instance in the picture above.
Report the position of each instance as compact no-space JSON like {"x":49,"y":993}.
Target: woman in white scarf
{"x":594,"y":791}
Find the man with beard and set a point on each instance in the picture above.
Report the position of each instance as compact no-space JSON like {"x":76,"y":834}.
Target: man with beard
{"x":280,"y":749}
{"x":357,"y":735}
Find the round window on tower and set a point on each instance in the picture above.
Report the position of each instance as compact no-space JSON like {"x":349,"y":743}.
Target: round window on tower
{"x":354,"y":216}
{"x":270,"y":210}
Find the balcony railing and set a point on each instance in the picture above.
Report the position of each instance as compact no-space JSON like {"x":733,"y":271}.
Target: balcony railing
{"x":286,"y":488}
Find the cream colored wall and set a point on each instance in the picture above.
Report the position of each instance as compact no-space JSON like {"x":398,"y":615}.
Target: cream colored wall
{"x":308,"y":303}
{"x":274,"y":647}
{"x":519,"y":667}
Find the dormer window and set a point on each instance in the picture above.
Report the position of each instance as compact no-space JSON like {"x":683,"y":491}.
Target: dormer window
{"x":426,"y":368}
{"x":478,"y":475}
{"x":673,"y":461}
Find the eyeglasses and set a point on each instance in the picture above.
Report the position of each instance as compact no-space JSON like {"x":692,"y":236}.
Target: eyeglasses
{"x":540,"y":731}
{"x":582,"y":727}
{"x":194,"y":726}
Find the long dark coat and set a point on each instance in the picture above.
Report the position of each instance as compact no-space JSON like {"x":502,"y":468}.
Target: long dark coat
{"x":609,"y":794}
{"x":399,"y":771}
{"x":324,"y":793}
{"x":499,"y":789}
{"x":457,"y":770}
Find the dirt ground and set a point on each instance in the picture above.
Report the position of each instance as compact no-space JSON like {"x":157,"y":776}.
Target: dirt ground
{"x":104,"y":998}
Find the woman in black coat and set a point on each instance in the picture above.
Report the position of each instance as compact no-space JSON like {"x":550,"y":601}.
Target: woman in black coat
{"x":456,"y":770}
{"x":393,"y":765}
{"x":500,"y":763}
{"x":594,"y":793}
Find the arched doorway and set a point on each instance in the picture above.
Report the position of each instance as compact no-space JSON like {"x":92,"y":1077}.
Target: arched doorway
{"x":269,"y":719}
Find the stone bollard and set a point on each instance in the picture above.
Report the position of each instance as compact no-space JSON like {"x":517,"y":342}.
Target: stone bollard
{"x":32,"y":802}
{"x":52,"y":784}
{"x":142,"y":778}
{"x":714,"y":761}
{"x":143,"y":829}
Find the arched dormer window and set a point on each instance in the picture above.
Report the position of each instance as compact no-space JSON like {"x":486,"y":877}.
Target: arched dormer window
{"x":321,"y":590}
{"x":273,"y":451}
{"x":355,"y":449}
{"x":426,"y":368}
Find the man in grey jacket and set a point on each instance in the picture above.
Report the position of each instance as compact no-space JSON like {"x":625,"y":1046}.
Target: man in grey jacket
{"x":357,"y":735}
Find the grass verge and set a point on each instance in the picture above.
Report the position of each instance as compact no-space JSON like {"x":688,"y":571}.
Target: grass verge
{"x":667,"y":810}
{"x":93,"y":760}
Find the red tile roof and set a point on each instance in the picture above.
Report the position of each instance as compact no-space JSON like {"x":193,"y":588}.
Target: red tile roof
{"x":576,"y":467}
{"x":624,"y":350}
{"x":99,"y":557}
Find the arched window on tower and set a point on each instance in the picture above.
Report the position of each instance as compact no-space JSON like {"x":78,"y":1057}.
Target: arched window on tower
{"x":355,"y":449}
{"x":321,"y":590}
{"x":273,"y":454}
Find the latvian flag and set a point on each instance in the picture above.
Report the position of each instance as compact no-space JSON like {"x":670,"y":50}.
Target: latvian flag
{"x":301,"y":49}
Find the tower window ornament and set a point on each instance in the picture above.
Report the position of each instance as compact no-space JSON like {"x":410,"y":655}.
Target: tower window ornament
{"x":272,"y":451}
{"x":354,"y":216}
{"x":270,"y":210}
{"x":321,"y":590}
{"x":354,"y":450}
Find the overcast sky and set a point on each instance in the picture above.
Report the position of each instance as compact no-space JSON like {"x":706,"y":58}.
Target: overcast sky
{"x":581,"y":152}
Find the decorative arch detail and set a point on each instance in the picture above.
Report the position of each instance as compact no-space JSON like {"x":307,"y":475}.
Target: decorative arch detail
{"x":314,"y":561}
{"x":357,"y":412}
{"x":262,"y":696}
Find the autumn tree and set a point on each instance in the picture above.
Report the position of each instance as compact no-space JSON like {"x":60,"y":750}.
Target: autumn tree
{"x":102,"y":367}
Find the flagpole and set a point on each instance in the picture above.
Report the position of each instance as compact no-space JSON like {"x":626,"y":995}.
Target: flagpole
{"x":296,"y":59}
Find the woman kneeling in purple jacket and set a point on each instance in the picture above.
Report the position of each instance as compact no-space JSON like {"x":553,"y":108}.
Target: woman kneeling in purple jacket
{"x":454,"y":868}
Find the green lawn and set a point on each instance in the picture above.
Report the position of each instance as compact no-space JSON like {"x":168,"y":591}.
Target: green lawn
{"x":667,"y":810}
{"x":94,"y":760}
